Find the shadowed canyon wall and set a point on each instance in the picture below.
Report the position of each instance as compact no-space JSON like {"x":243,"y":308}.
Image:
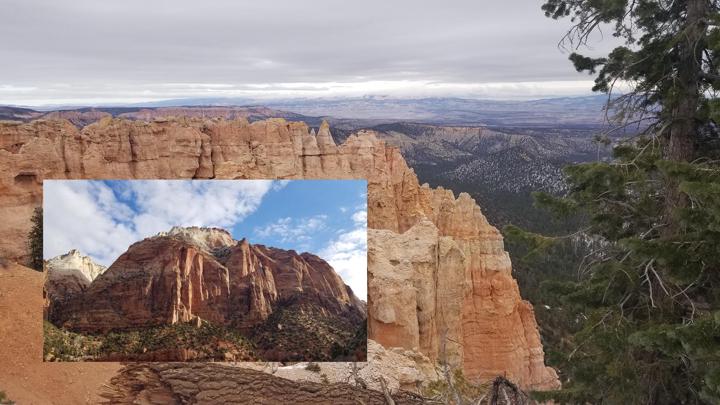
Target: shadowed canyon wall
{"x":464,"y":304}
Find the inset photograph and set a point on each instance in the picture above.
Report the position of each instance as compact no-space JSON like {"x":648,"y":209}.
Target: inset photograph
{"x":191,"y":270}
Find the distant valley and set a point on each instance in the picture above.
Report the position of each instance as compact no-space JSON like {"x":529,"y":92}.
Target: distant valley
{"x":499,"y":167}
{"x":548,"y":112}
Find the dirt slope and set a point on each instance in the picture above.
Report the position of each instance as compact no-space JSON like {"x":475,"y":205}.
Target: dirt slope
{"x":24,"y":377}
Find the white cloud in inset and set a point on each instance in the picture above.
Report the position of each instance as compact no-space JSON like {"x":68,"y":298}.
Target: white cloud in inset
{"x":195,"y":203}
{"x":360,"y":217}
{"x":90,"y":217}
{"x":347,"y":254}
{"x":81,"y":215}
{"x":280,"y":184}
{"x":292,"y":229}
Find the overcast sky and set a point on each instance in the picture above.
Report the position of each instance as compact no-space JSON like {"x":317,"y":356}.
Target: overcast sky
{"x":97,"y":52}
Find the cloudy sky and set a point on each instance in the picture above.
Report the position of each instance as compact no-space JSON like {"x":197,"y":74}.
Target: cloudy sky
{"x":103,"y":218}
{"x":102,"y":52}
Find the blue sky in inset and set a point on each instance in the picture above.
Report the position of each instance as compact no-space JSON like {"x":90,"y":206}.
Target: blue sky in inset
{"x":101,"y":218}
{"x":314,"y":211}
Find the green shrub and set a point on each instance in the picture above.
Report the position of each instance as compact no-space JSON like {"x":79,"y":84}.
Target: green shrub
{"x":314,"y":367}
{"x":205,"y":339}
{"x":61,"y":345}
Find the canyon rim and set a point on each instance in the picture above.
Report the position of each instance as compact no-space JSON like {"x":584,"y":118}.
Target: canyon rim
{"x":462,"y":290}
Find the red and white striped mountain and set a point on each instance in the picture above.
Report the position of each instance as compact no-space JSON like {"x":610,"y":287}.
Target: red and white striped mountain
{"x":190,"y":273}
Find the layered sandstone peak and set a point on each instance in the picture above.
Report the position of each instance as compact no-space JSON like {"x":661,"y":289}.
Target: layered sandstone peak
{"x":194,"y":272}
{"x":435,"y":250}
{"x":206,"y":238}
{"x":74,"y":261}
{"x":68,"y":275}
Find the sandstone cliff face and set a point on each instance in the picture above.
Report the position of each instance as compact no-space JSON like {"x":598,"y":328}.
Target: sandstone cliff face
{"x":437,"y":252}
{"x":190,"y":273}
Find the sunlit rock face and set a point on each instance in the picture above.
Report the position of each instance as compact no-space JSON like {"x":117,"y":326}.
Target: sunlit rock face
{"x":76,"y":261}
{"x":196,"y":272}
{"x":439,"y":278}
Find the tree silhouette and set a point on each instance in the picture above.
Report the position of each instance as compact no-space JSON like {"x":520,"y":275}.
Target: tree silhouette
{"x":35,"y":240}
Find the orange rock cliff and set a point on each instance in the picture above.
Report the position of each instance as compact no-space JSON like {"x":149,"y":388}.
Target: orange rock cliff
{"x":194,"y":272}
{"x":440,"y":280}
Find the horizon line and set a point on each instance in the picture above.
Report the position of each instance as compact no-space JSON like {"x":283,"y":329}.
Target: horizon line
{"x":268,"y":102}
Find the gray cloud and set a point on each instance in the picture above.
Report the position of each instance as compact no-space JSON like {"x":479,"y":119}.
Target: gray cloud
{"x":133,"y":50}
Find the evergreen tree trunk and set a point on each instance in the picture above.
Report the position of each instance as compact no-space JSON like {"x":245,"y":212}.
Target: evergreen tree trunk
{"x":684,"y":128}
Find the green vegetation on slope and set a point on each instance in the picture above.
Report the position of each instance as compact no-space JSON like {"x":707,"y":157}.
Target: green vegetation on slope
{"x":181,"y":341}
{"x":61,"y":345}
{"x":307,"y":333}
{"x":353,"y":350}
{"x":293,"y":333}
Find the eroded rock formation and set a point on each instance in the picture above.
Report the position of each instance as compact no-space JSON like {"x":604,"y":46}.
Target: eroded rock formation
{"x":75,"y":261}
{"x":190,"y":273}
{"x":467,"y":306}
{"x":68,"y":275}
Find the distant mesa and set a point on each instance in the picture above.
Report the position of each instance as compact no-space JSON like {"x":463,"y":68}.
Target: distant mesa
{"x":83,"y":116}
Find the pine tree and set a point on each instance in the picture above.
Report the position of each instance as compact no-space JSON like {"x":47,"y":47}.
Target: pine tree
{"x":35,"y":240}
{"x":646,"y":300}
{"x":670,"y":55}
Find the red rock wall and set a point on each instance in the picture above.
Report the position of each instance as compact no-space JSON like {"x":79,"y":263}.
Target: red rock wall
{"x":171,"y":278}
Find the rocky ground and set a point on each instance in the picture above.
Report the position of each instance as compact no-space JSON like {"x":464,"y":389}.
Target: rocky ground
{"x":400,"y":369}
{"x":176,"y":383}
{"x":24,"y":377}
